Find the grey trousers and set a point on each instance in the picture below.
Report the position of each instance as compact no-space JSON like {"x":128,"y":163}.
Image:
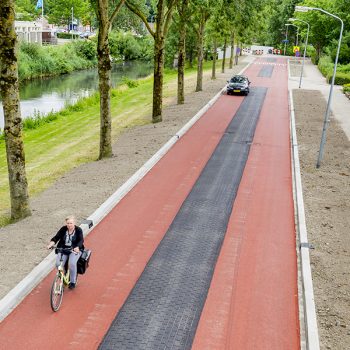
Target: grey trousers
{"x":72,"y":264}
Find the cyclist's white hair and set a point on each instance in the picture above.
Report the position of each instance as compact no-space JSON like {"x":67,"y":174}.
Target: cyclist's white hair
{"x":70,"y":217}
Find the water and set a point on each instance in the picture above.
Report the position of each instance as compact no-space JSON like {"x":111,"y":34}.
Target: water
{"x":52,"y":94}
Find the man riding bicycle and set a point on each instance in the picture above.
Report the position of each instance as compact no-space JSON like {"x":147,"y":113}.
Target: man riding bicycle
{"x":69,"y":236}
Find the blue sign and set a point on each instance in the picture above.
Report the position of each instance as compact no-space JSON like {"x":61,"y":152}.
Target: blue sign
{"x":39,"y":4}
{"x":285,"y":41}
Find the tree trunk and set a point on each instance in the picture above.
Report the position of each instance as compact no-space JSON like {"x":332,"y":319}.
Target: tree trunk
{"x":213,"y":70}
{"x":158,"y":80}
{"x":199,"y":86}
{"x":236,"y":56}
{"x":190,"y":59}
{"x":104,"y":73}
{"x":232,"y":43}
{"x":12,"y":114}
{"x":224,"y":58}
{"x":181,"y":66}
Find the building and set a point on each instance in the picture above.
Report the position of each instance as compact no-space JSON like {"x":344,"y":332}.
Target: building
{"x":28,"y":31}
{"x":34,"y":32}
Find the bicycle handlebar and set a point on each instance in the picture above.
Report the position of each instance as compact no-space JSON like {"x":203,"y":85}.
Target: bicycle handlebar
{"x":62,"y":250}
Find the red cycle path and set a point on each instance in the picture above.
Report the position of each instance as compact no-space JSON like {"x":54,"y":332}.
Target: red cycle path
{"x":122,"y":244}
{"x":253,"y":299}
{"x":252,"y":302}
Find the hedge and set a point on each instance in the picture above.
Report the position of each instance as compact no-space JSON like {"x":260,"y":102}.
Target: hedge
{"x":67,"y":36}
{"x":346,"y":88}
{"x":340,"y":78}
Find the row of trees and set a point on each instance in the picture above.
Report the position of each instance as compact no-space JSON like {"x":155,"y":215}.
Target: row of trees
{"x":222,"y":22}
{"x":216,"y":17}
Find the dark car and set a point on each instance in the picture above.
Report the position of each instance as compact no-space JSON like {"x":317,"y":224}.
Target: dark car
{"x":238,"y":84}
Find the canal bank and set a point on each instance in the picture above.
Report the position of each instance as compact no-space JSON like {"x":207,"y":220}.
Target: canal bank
{"x":42,"y":96}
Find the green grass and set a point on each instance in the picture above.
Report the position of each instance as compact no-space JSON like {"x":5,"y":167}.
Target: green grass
{"x":61,"y":141}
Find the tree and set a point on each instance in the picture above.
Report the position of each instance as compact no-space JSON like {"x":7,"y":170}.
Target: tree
{"x":175,"y":44}
{"x":203,"y":9}
{"x":323,"y":28}
{"x":163,"y":16}
{"x":25,"y":10}
{"x":105,"y":16}
{"x":13,"y":122}
{"x":60,"y":11}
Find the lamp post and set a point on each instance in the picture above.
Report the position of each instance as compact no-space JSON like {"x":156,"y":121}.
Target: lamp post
{"x":326,"y":116}
{"x":286,"y":39}
{"x":289,"y":24}
{"x":307,"y":38}
{"x":72,"y":21}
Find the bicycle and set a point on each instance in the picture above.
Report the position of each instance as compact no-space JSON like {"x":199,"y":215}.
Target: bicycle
{"x":61,"y":280}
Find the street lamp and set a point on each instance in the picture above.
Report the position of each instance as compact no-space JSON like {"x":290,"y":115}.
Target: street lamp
{"x":72,"y":21}
{"x":326,"y":117}
{"x":307,"y":38}
{"x":286,"y":39}
{"x":293,"y":25}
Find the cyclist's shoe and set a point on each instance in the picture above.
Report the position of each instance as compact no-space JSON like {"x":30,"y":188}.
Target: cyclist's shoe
{"x":71,"y":285}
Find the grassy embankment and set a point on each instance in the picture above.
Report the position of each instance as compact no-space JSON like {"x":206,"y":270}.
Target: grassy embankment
{"x":71,"y":137}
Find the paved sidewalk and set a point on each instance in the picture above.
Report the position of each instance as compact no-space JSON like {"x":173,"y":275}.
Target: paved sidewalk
{"x":313,"y":80}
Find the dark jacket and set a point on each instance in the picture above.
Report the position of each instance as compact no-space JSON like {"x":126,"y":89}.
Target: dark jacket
{"x":77,"y":241}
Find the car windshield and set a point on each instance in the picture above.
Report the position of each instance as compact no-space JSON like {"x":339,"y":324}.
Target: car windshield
{"x":238,"y":79}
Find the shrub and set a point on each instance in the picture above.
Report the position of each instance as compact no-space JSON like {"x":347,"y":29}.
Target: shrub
{"x":128,"y":47}
{"x":129,"y":82}
{"x":146,"y":47}
{"x":346,"y":88}
{"x":67,"y":36}
{"x":32,"y":50}
{"x":340,"y":78}
{"x":38,"y":119}
{"x":325,"y":65}
{"x":86,"y":49}
{"x":344,"y":68}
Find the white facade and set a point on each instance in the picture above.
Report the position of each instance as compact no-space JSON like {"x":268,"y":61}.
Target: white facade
{"x":261,"y":49}
{"x":29,"y":31}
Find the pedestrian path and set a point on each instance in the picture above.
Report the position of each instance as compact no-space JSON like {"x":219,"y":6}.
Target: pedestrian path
{"x":312,"y":79}
{"x":210,"y":226}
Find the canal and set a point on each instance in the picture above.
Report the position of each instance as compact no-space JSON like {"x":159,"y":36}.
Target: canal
{"x":54,"y":93}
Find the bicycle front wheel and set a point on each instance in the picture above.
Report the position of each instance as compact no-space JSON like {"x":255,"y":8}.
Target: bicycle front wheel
{"x":56,"y":295}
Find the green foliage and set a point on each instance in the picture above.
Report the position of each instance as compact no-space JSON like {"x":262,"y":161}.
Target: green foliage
{"x":344,"y":68}
{"x":147,"y":47}
{"x":341,"y":78}
{"x":38,"y":120}
{"x":25,"y":10}
{"x":125,"y":46}
{"x":60,"y":11}
{"x":128,"y":21}
{"x":67,"y":36}
{"x":32,"y":50}
{"x":37,"y":61}
{"x":130,"y":82}
{"x":346,"y":88}
{"x":86,"y":49}
{"x":325,"y":65}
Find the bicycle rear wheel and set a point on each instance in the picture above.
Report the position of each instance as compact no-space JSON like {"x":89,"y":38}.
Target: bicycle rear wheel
{"x":56,"y":295}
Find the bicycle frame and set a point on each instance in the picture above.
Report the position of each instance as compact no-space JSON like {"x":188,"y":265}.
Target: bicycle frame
{"x":65,"y":277}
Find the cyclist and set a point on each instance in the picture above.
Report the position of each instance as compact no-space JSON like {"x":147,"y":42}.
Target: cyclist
{"x":69,"y":236}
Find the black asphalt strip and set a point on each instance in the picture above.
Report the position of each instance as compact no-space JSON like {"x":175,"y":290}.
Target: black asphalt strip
{"x":163,"y":309}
